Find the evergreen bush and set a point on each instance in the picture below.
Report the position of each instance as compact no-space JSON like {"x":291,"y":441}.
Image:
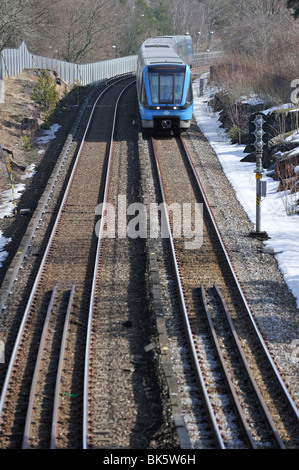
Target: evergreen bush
{"x":45,"y":94}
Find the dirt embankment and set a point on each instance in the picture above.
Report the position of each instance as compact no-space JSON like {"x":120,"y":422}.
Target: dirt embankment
{"x":20,"y":125}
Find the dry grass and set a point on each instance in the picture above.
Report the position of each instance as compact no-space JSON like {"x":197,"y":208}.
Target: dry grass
{"x":271,"y":81}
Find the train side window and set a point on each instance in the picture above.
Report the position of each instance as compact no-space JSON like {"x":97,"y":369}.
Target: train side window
{"x":189,"y":98}
{"x":143,"y":98}
{"x":154,"y":86}
{"x":179,"y":84}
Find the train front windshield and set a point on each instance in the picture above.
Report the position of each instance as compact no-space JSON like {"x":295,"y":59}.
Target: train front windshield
{"x":166,"y":83}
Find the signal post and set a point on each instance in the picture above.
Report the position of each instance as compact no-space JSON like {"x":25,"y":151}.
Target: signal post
{"x":258,"y":132}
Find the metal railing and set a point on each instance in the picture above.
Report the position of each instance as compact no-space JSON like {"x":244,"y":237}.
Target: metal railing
{"x":14,"y":61}
{"x":206,"y":58}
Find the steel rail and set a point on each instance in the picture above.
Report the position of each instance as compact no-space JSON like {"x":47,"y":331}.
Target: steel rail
{"x":94,"y":282}
{"x":262,"y":404}
{"x":226,"y":374}
{"x":209,"y":406}
{"x":37,"y":371}
{"x":253,"y":322}
{"x":26,"y":314}
{"x":59,"y":372}
{"x":16,"y":264}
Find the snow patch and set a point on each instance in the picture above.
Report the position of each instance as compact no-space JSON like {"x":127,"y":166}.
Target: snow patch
{"x":282,"y":228}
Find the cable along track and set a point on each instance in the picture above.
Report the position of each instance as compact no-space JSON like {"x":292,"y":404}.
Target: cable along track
{"x":45,"y":374}
{"x":247,"y":402}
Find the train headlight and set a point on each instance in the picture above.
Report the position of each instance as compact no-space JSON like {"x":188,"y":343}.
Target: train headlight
{"x":175,"y":107}
{"x":158,"y":107}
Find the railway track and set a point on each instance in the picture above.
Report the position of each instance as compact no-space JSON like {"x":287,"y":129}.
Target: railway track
{"x":124,"y":405}
{"x":84,"y":370}
{"x":234,"y":369}
{"x":34,"y":375}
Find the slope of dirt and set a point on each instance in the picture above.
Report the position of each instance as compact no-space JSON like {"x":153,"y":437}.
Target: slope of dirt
{"x":20,"y":121}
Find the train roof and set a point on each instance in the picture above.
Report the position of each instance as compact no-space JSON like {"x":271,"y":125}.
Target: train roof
{"x":164,"y":49}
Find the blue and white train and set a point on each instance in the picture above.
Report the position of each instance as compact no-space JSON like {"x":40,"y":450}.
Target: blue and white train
{"x":164,"y":86}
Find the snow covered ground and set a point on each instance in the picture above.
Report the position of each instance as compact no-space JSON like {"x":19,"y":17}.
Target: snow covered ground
{"x":3,"y":243}
{"x":8,"y":196}
{"x":48,"y":135}
{"x":282,"y":229}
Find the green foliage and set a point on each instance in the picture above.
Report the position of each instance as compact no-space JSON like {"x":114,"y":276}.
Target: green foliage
{"x":45,"y":94}
{"x":162,"y":17}
{"x":235,"y":134}
{"x":140,"y":22}
{"x":26,"y":145}
{"x":143,"y":21}
{"x":294,"y":5}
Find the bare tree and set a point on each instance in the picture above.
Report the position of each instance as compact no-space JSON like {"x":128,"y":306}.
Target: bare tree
{"x":256,"y":26}
{"x":11,"y":21}
{"x":261,"y":39}
{"x":141,"y":21}
{"x":217,"y":12}
{"x":22,"y":19}
{"x":82,"y":26}
{"x":186,"y":15}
